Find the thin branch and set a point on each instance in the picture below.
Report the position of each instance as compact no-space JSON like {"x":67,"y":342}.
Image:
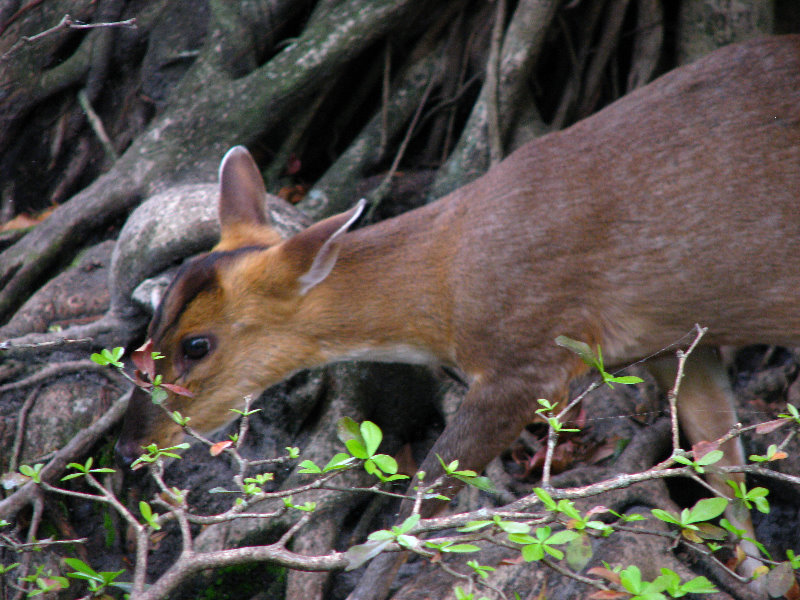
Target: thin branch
{"x":672,"y":396}
{"x":24,"y":350}
{"x":65,"y":23}
{"x":492,"y":85}
{"x":58,"y":369}
{"x":96,"y":123}
{"x":386,"y":87}
{"x":13,"y":462}
{"x":378,"y":194}
{"x":75,"y":447}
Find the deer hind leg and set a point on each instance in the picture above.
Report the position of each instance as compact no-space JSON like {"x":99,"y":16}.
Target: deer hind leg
{"x":706,"y":411}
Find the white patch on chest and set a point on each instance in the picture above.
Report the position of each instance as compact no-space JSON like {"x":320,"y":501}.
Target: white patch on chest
{"x":399,"y":353}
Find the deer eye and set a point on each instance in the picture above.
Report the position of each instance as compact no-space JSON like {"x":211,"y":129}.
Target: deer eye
{"x":196,"y":347}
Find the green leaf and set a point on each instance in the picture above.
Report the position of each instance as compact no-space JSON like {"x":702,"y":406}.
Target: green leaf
{"x":762,"y":505}
{"x":409,"y":523}
{"x":707,"y":509}
{"x":522,"y":538}
{"x":148,"y":515}
{"x":396,"y":477}
{"x":532,"y":552}
{"x":358,"y":555}
{"x":513,"y":526}
{"x":158,"y":395}
{"x":178,"y":417}
{"x":699,"y":585}
{"x":579,"y":552}
{"x":339,"y":461}
{"x":582,"y":349}
{"x":567,"y":507}
{"x":308,"y":466}
{"x":631,"y":579}
{"x":475,"y":526}
{"x":372,"y":436}
{"x":626,"y":379}
{"x":347,"y":429}
{"x":546,"y":499}
{"x":710,"y":458}
{"x":81,"y":567}
{"x":33,"y":472}
{"x":482,"y":483}
{"x":562,"y":537}
{"x":108,"y":357}
{"x":463,"y":548}
{"x":356,"y":448}
{"x":385,"y":463}
{"x":665,"y":516}
{"x":554,"y":552}
{"x":407,"y":541}
{"x":668,"y":581}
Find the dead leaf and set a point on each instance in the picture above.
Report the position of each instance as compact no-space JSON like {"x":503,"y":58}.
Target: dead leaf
{"x":23,"y":221}
{"x":608,"y":595}
{"x":597,"y":510}
{"x":219,"y":447}
{"x":709,"y":531}
{"x":517,"y":560}
{"x":142,"y":358}
{"x":606,"y":574}
{"x":691,"y":535}
{"x":293,"y":193}
{"x":700,"y":449}
{"x":771,"y":426}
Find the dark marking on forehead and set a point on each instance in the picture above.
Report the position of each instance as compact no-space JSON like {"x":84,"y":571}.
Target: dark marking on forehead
{"x":194,"y":276}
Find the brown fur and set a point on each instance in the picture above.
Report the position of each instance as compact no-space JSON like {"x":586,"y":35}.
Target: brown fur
{"x":674,"y":206}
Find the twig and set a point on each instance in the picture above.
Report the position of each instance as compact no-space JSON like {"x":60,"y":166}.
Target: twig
{"x":672,"y":396}
{"x":97,"y":126}
{"x":552,"y":435}
{"x":493,"y":85}
{"x":385,"y":97}
{"x":76,"y":446}
{"x":36,"y":519}
{"x":600,"y":585}
{"x":287,"y":537}
{"x":65,"y":23}
{"x":23,"y":350}
{"x":20,"y":433}
{"x":378,"y":194}
{"x":57,"y":369}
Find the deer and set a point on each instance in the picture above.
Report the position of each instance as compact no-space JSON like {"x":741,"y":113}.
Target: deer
{"x":677,"y":204}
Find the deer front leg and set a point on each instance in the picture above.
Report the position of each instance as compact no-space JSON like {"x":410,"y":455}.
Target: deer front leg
{"x":487,"y":422}
{"x":707,"y":411}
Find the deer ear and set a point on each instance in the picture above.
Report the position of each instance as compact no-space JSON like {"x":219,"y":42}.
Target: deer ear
{"x":242,"y":198}
{"x":315,"y":250}
{"x":241,"y":189}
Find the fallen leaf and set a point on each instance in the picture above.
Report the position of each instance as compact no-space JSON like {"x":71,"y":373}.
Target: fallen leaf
{"x":771,"y":426}
{"x":219,"y":447}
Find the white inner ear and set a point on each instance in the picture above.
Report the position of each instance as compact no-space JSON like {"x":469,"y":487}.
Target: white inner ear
{"x":326,"y":257}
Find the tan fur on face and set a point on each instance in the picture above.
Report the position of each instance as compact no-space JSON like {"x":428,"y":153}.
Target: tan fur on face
{"x":252,"y":349}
